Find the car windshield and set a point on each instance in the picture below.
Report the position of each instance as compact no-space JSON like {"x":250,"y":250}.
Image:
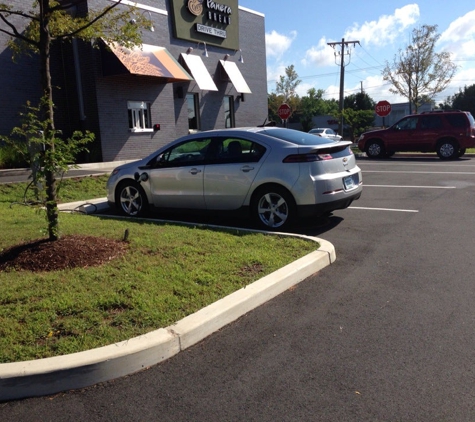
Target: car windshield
{"x":317,"y":130}
{"x":296,"y":137}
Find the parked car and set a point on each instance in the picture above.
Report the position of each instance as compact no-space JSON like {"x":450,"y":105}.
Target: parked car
{"x":276,"y":174}
{"x":325,"y":132}
{"x":448,"y":133}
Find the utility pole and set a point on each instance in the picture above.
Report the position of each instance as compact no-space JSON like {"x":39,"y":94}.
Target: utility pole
{"x":342,"y":53}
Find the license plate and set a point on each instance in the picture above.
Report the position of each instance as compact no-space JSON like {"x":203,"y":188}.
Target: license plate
{"x":348,"y":182}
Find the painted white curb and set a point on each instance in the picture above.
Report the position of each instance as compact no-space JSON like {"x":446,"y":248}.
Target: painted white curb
{"x":52,"y":375}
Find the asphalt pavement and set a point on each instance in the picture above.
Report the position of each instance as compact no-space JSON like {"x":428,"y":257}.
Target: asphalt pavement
{"x":383,"y":334}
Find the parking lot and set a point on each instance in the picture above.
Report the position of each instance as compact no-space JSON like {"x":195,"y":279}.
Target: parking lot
{"x":385,"y":333}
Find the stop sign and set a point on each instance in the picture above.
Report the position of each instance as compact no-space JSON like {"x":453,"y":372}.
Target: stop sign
{"x":383,"y":108}
{"x":284,"y":111}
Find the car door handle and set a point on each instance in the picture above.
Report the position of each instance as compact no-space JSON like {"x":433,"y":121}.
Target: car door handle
{"x":247,"y":169}
{"x":194,"y":170}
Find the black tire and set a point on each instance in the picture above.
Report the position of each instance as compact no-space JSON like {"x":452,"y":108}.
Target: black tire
{"x":447,"y":149}
{"x":375,"y":149}
{"x":131,"y":199}
{"x":462,"y":152}
{"x":273,"y":208}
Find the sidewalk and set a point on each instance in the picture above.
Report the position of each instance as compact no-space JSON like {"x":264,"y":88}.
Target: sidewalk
{"x":93,"y":167}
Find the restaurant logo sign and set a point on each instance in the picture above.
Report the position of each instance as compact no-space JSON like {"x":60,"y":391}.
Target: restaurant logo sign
{"x":214,"y":13}
{"x":195,"y":7}
{"x":215,"y":22}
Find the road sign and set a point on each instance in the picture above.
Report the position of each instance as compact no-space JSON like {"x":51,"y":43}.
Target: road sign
{"x":383,"y":108}
{"x":284,"y":111}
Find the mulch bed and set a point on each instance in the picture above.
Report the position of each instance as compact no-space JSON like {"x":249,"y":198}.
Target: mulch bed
{"x":65,"y":253}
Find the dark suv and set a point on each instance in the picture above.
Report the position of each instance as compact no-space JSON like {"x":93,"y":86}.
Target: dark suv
{"x":448,"y":133}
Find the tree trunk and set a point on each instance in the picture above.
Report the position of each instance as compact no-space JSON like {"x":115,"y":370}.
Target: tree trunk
{"x":50,"y":177}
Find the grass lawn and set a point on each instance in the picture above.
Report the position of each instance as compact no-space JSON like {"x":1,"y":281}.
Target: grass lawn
{"x":168,"y":272}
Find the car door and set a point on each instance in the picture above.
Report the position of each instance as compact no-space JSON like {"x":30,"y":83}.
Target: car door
{"x":430,"y":127}
{"x":229,"y":176}
{"x":402,"y":136}
{"x":176,"y":179}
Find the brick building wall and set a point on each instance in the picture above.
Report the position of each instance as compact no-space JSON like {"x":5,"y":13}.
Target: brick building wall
{"x":104,"y":98}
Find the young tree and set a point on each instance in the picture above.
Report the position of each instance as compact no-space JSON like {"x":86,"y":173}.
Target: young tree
{"x":287,"y":84}
{"x":285,"y":89}
{"x":34,"y":29}
{"x":418,"y":71}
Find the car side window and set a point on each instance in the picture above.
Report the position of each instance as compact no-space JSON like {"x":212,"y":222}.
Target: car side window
{"x":241,"y":151}
{"x":457,"y":120}
{"x":409,"y":123}
{"x":189,"y":153}
{"x":431,"y":122}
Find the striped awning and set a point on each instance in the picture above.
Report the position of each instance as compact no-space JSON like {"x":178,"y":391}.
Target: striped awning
{"x":147,"y":60}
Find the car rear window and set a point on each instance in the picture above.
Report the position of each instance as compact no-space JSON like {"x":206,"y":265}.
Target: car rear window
{"x":457,"y":120}
{"x":296,"y":137}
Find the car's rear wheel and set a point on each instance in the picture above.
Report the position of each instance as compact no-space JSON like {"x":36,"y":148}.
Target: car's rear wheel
{"x":447,"y":149}
{"x":273,"y":207}
{"x":131,"y":199}
{"x":375,"y":149}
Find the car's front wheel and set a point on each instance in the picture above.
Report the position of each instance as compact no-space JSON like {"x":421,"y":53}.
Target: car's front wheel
{"x":447,"y":150}
{"x":131,"y":199}
{"x":375,"y":149}
{"x":273,"y":207}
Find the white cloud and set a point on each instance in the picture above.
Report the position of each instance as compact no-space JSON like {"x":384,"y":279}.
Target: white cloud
{"x":277,"y":44}
{"x":273,"y":75}
{"x":460,"y":29}
{"x":320,"y":55}
{"x":386,"y":29}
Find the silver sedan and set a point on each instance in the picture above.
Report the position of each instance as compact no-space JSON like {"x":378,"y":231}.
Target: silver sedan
{"x":276,"y":175}
{"x":325,"y":132}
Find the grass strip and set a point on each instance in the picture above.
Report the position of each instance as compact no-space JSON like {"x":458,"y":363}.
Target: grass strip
{"x":169,"y":271}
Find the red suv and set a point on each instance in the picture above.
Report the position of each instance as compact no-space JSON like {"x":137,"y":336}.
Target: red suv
{"x":448,"y":133}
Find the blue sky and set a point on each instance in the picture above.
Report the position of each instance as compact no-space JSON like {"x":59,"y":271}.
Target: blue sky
{"x":297,"y":33}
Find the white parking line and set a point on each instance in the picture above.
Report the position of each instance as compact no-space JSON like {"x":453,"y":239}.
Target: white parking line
{"x":381,"y":209}
{"x":414,"y":187}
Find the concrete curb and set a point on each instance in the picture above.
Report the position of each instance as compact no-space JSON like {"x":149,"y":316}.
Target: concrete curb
{"x":90,"y":206}
{"x":52,"y":375}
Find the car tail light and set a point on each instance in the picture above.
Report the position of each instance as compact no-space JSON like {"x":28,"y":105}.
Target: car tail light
{"x":306,"y":158}
{"x":319,"y":155}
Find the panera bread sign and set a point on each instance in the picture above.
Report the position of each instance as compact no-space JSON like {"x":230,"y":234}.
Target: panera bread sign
{"x":208,"y":21}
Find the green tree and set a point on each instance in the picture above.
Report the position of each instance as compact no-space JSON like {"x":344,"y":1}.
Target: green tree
{"x":465,"y":100}
{"x":357,"y":121}
{"x":418,"y":72}
{"x":273,"y":103}
{"x":359,"y":101}
{"x":33,"y":30}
